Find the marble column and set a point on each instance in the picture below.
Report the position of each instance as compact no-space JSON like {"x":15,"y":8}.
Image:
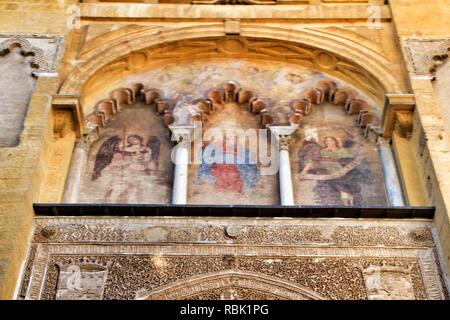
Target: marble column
{"x":76,"y":171}
{"x":283,"y":135}
{"x":391,"y":178}
{"x":181,"y":157}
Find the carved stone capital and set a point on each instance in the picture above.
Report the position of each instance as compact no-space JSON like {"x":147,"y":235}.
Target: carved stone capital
{"x":397,"y":104}
{"x":283,"y":135}
{"x":403,"y":123}
{"x":426,"y":54}
{"x":284,"y":141}
{"x":44,"y":49}
{"x":182,"y":133}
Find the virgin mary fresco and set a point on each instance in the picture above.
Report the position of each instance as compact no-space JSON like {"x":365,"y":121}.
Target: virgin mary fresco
{"x":338,"y":168}
{"x":229,"y":169}
{"x":129,"y":163}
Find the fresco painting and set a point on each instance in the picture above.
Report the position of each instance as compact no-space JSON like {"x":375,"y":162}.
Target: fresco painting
{"x":230,"y":172}
{"x":130,"y":162}
{"x":333,"y":164}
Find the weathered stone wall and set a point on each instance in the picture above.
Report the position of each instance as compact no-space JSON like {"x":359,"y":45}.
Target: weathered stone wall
{"x":422,"y":28}
{"x":22,"y":167}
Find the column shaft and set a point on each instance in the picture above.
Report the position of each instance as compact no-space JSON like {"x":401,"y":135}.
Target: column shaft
{"x":180,"y":182}
{"x":391,"y":178}
{"x":286,"y":190}
{"x":77,"y":167}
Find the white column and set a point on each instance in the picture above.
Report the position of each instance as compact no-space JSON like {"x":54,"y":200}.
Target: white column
{"x":76,"y":171}
{"x":180,"y":157}
{"x":391,"y":178}
{"x":283,"y":137}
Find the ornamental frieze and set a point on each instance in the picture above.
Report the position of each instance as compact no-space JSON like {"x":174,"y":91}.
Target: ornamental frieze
{"x":155,"y":230}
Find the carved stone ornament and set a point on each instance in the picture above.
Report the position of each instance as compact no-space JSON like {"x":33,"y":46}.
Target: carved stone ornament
{"x":403,"y":123}
{"x":426,"y":54}
{"x":83,"y":280}
{"x":388,"y":283}
{"x":45,"y":49}
{"x":284,"y":142}
{"x":194,"y":258}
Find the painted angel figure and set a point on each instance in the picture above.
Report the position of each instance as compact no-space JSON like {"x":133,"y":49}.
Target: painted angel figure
{"x":127,"y":162}
{"x":335,"y":167}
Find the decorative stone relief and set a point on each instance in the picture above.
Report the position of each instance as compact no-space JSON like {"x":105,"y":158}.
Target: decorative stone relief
{"x":84,"y":280}
{"x":426,"y":54}
{"x":122,"y":258}
{"x":45,"y":49}
{"x":388,"y":283}
{"x":403,"y":123}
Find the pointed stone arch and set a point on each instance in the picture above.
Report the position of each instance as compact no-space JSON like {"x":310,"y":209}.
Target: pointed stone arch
{"x":327,"y":52}
{"x":229,"y":279}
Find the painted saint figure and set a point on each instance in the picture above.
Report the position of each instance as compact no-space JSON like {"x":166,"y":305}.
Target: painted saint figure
{"x":128,"y":161}
{"x":337,"y":170}
{"x":230,"y":171}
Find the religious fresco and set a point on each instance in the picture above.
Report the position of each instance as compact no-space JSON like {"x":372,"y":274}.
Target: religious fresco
{"x":130,"y":162}
{"x":230,"y":172}
{"x":271,"y":81}
{"x":333,"y":164}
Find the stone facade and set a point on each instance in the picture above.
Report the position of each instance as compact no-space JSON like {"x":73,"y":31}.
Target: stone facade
{"x":249,"y":259}
{"x":73,"y":55}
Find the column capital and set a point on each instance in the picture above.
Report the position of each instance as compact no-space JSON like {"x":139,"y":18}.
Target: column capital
{"x":283,"y":135}
{"x":398,"y":107}
{"x":182,"y":133}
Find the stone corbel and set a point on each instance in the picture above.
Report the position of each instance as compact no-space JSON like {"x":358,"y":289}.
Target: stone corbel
{"x":68,"y":112}
{"x":397,"y":116}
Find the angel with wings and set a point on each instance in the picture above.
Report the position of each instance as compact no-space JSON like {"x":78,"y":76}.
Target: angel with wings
{"x":335,"y":167}
{"x":128,"y":161}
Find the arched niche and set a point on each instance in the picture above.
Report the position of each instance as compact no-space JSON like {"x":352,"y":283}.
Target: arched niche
{"x":230,"y":170}
{"x":333,"y":161}
{"x":126,"y":155}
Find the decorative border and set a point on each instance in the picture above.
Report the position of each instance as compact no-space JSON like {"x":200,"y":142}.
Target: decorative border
{"x":284,"y":231}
